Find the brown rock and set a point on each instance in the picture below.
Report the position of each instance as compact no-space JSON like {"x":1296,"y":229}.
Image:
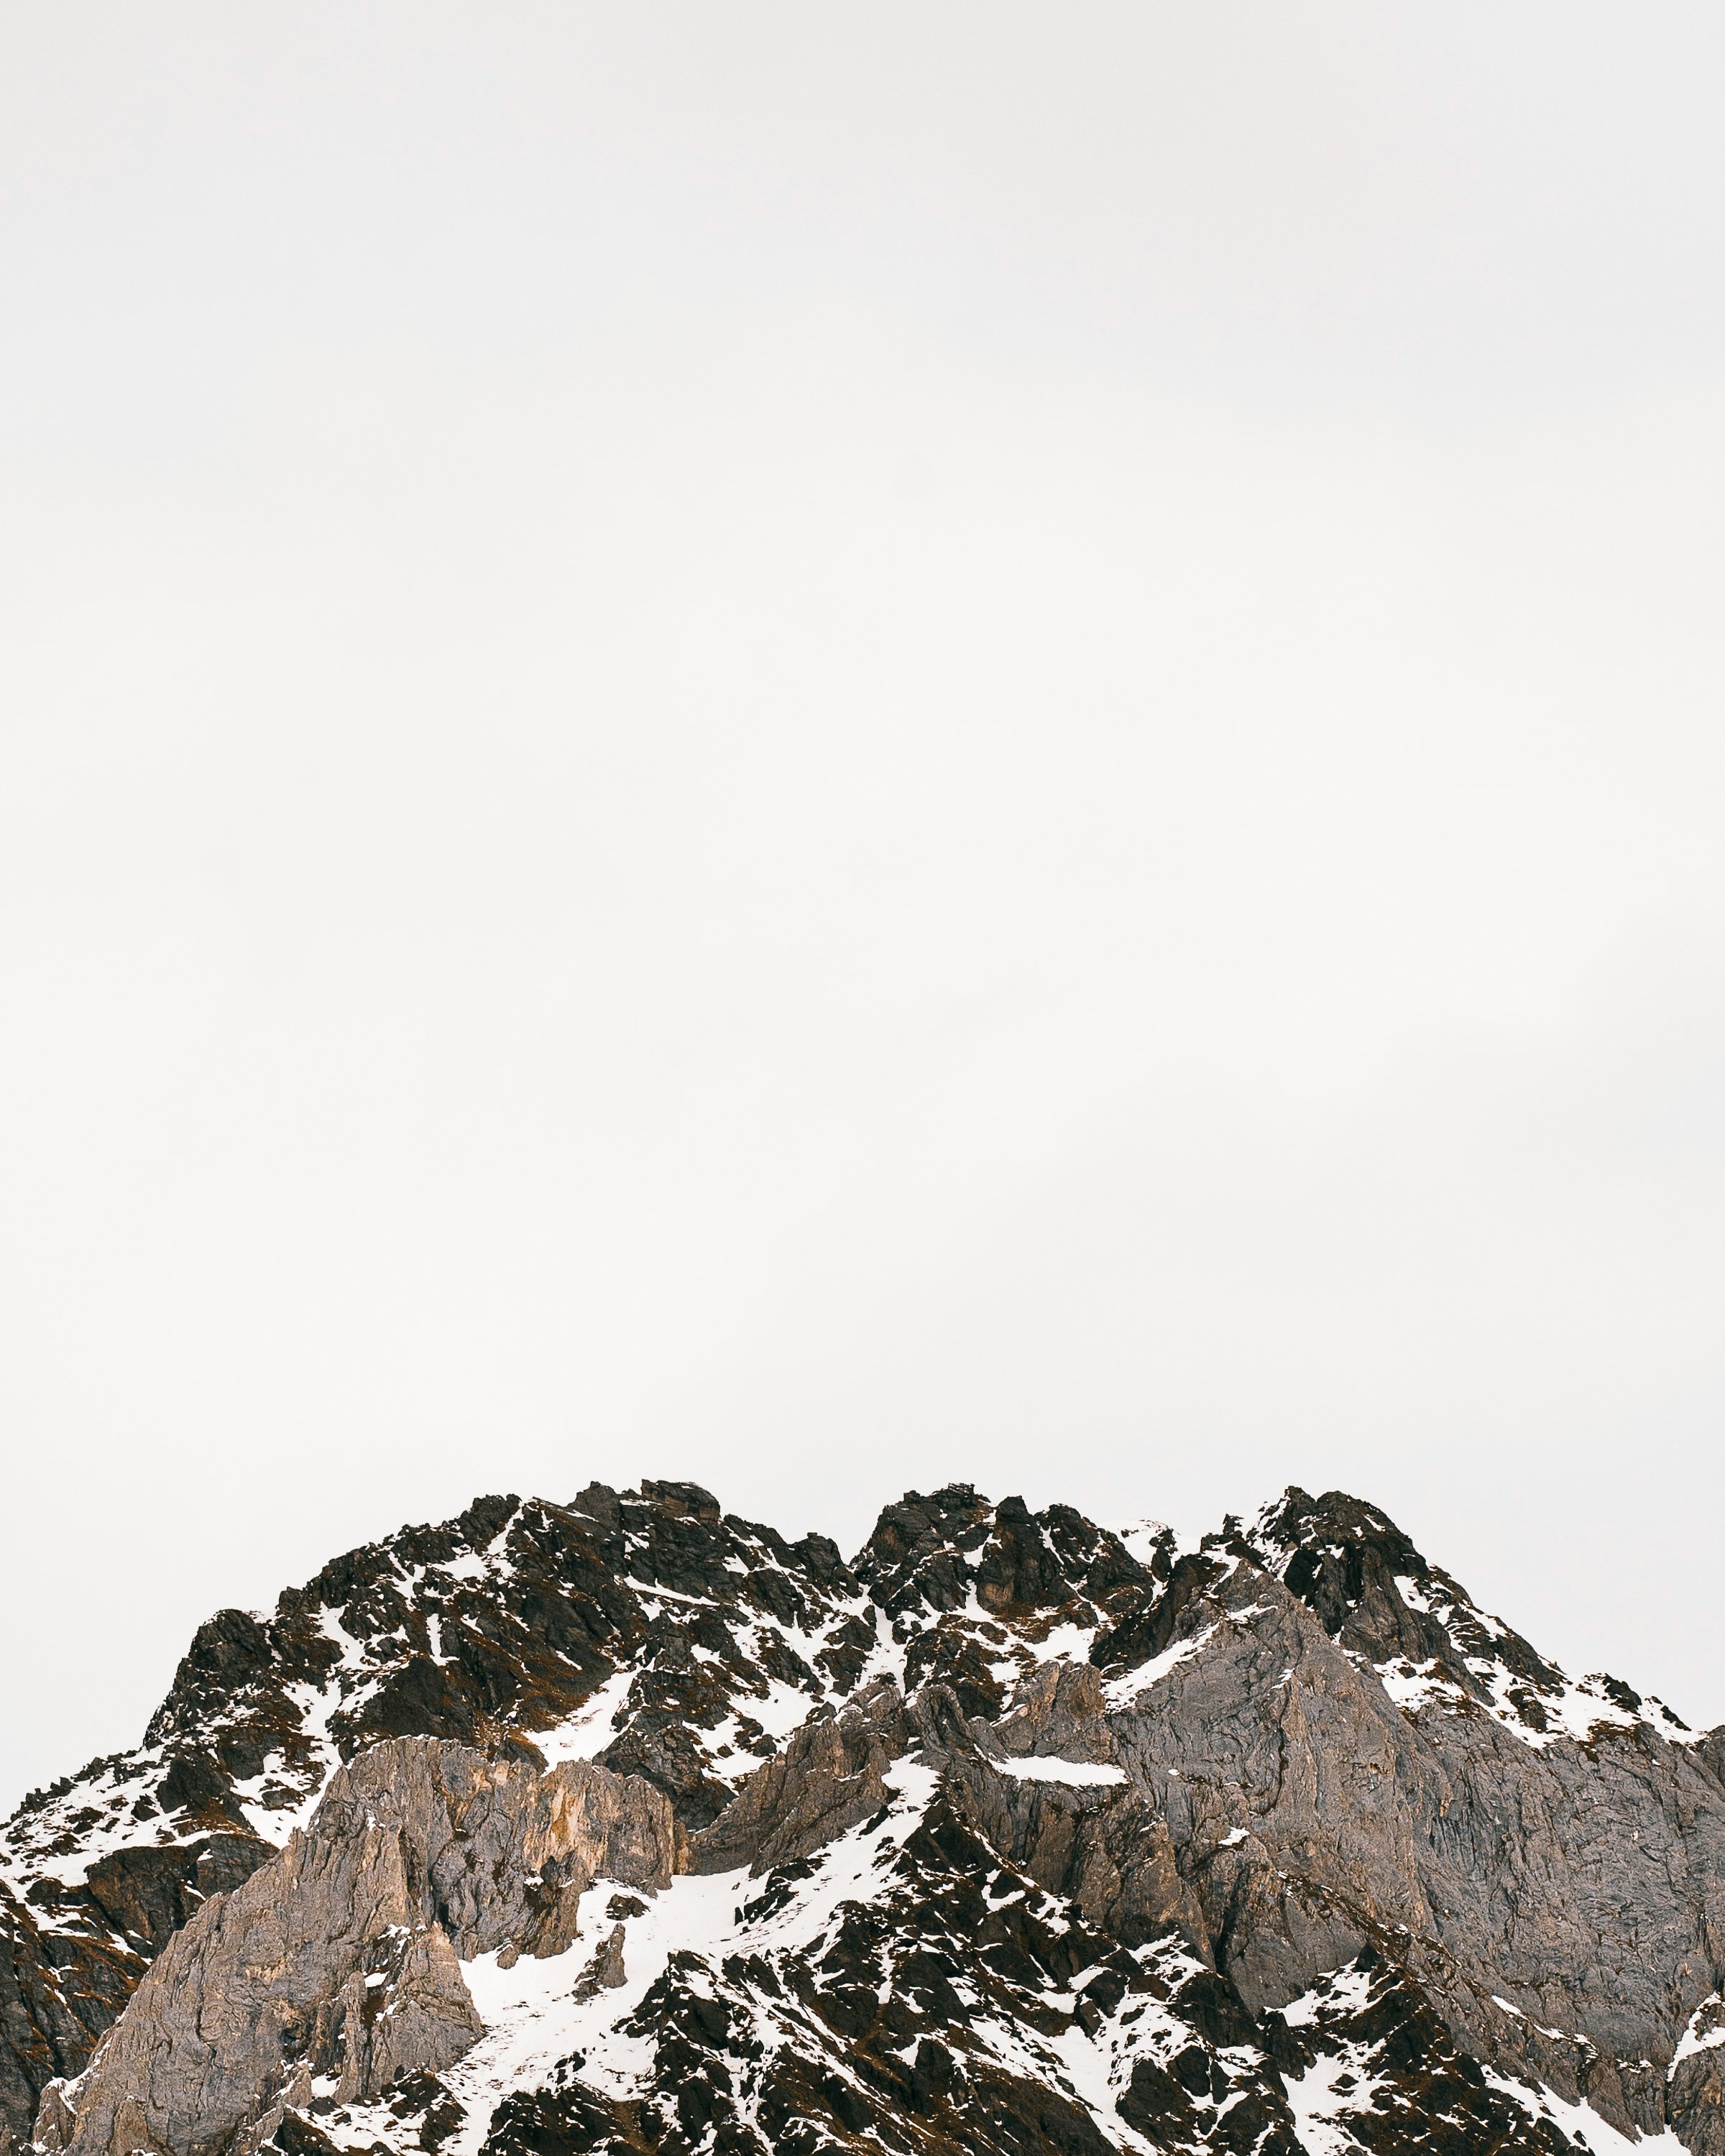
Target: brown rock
{"x":342,"y":1954}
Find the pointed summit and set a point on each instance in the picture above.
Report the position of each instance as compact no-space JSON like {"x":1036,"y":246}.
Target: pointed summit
{"x":1417,"y":1627}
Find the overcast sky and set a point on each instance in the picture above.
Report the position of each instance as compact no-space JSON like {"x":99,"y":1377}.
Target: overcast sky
{"x":834,"y":747}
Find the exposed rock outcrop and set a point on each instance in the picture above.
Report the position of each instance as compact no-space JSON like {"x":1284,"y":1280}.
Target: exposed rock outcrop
{"x":343,"y":1955}
{"x":645,"y":1625}
{"x":1017,"y":1832}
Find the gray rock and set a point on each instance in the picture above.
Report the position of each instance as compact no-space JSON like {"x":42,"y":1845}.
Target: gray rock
{"x":342,"y":1954}
{"x":1695,"y":2095}
{"x":1530,"y":1872}
{"x":488,"y":1629}
{"x":1059,"y":1713}
{"x":605,"y":1972}
{"x":829,"y":1777}
{"x":1311,"y":1815}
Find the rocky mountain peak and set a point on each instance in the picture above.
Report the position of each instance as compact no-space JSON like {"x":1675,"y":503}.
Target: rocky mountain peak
{"x":920,"y":1554}
{"x":632,"y":1825}
{"x":1352,"y":1567}
{"x":937,"y":1554}
{"x":1417,"y":1629}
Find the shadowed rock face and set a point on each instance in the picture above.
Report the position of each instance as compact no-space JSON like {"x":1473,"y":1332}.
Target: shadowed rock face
{"x":1017,"y":1832}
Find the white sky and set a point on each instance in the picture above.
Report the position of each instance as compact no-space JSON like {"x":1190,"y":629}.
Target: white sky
{"x":833,"y":747}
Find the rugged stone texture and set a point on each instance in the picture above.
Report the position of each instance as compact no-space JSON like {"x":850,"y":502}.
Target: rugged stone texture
{"x":1310,"y":1817}
{"x":340,"y":1955}
{"x":492,"y":1629}
{"x":1694,"y":2094}
{"x":869,"y":2037}
{"x":56,"y":1998}
{"x":1583,"y":1883}
{"x":830,"y":1776}
{"x":1278,"y":1837}
{"x":1060,"y":1712}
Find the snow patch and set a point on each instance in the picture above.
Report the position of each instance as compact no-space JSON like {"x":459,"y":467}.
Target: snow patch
{"x":1064,"y":1643}
{"x":1139,"y":1538}
{"x":1416,"y":1685}
{"x":591,"y":1727}
{"x":1077,"y":1773}
{"x":1696,"y":2038}
{"x":1581,"y":2124}
{"x":1123,"y":1691}
{"x":1343,"y":1990}
{"x":533,"y":2016}
{"x":1321,"y":2104}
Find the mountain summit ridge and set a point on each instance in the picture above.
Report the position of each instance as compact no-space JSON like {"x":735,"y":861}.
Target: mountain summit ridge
{"x":1307,"y":1853}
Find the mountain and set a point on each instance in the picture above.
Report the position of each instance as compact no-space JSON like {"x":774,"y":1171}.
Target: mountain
{"x":629,"y":1825}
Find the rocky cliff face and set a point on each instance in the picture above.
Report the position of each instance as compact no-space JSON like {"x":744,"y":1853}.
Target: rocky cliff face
{"x":627,"y":1826}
